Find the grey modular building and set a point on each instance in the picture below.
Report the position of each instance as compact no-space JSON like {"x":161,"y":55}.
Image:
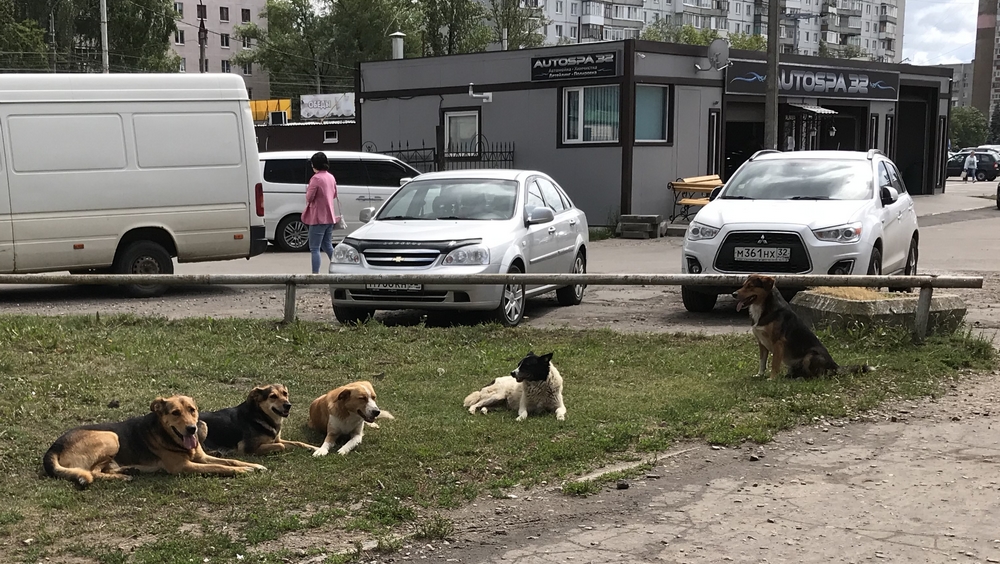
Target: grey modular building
{"x":614,"y":122}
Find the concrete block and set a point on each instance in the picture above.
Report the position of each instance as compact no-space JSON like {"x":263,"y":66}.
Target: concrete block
{"x":675,"y":230}
{"x":638,"y":227}
{"x":635,"y":234}
{"x":820,"y":310}
{"x":638,"y":218}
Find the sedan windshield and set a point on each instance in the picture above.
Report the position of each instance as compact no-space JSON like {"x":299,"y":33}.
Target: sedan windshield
{"x":473,"y":199}
{"x":801,"y":179}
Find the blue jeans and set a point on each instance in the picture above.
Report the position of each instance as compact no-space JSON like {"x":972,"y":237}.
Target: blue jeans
{"x":320,"y":239}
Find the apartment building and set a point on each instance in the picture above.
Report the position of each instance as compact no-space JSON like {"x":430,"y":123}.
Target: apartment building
{"x":961,"y":86}
{"x":861,"y":28}
{"x":220,"y":16}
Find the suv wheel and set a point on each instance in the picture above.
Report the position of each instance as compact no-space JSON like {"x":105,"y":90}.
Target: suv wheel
{"x":875,"y":264}
{"x":291,"y":234}
{"x":511,"y":309}
{"x":980,"y":175}
{"x":352,"y":315}
{"x":698,"y":302}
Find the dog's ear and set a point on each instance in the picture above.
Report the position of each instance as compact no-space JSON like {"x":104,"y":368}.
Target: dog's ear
{"x":547,"y":357}
{"x":344,"y":396}
{"x":767,"y":283}
{"x":530,"y":353}
{"x":158,"y":405}
{"x":259,"y":393}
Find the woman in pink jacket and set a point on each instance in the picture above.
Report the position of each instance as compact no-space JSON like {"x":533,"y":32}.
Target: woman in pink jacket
{"x":320,"y":214}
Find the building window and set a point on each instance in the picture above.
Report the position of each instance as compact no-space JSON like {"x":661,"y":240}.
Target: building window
{"x":202,"y":11}
{"x":248,"y":69}
{"x":574,"y":8}
{"x":183,"y":65}
{"x":250,"y":93}
{"x":246,"y":43}
{"x":179,"y":8}
{"x":559,"y":6}
{"x":653,"y":119}
{"x":224,"y":40}
{"x":590,"y":114}
{"x":462,"y":129}
{"x":226,"y":67}
{"x":245,"y":15}
{"x":559,"y":30}
{"x":204,"y":66}
{"x":223,"y":13}
{"x":179,"y":37}
{"x":572,"y":31}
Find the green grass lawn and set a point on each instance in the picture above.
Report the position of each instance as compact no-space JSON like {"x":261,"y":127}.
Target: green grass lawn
{"x":625,"y":394}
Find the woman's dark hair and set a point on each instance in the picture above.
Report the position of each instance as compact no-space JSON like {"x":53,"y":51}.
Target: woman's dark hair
{"x":320,"y":162}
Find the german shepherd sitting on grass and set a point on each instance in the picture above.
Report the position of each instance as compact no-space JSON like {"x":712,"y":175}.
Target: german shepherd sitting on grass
{"x":784,"y":336}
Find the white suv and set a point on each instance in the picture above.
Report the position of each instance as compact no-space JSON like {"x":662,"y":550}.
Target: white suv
{"x":803,"y":212}
{"x":363,"y":180}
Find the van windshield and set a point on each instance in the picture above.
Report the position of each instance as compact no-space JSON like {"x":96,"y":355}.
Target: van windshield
{"x":473,"y":199}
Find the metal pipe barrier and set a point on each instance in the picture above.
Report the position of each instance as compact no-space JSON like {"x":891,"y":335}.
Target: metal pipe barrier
{"x":291,"y":281}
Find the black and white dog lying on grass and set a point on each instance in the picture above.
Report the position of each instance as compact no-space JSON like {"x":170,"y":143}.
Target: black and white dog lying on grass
{"x":535,"y":386}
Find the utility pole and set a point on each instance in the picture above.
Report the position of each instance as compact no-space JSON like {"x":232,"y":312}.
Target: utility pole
{"x":202,"y":36}
{"x":106,"y":68}
{"x":771,"y":84}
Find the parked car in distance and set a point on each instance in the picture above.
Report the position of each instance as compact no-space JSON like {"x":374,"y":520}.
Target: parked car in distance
{"x":803,"y":212}
{"x":988,"y":167}
{"x":363,"y":180}
{"x":464,"y":222}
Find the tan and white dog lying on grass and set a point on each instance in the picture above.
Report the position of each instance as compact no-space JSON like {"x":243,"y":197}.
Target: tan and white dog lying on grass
{"x":345,"y":411}
{"x":535,"y":386}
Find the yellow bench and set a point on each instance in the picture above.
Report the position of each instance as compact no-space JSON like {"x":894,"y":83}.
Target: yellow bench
{"x":692,"y":193}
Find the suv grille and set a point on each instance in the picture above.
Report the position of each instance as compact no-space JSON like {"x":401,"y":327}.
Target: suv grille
{"x":798,"y":262}
{"x":401,"y":257}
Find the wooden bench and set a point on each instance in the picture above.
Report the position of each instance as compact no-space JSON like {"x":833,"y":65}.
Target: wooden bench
{"x":692,"y":193}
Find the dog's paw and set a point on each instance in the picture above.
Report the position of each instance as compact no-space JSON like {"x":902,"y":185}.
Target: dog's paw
{"x":472,"y":410}
{"x":758,"y":375}
{"x":522,"y":417}
{"x":321,"y":452}
{"x":484,"y":410}
{"x":372,"y":425}
{"x":259,"y":467}
{"x":343,"y":452}
{"x":560,"y":416}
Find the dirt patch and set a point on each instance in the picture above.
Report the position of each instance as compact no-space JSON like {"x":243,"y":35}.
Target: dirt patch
{"x":856,"y":294}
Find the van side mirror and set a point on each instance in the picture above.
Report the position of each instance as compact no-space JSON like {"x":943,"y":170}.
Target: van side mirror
{"x":403,"y":181}
{"x":538,"y":215}
{"x":366,"y":215}
{"x":889,"y":195}
{"x":715,"y":193}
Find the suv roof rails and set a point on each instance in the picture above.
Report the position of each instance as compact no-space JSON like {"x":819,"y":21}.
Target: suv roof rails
{"x":873,"y":152}
{"x":763,"y":152}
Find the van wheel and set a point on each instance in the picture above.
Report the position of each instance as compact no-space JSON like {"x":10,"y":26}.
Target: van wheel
{"x":512,"y":302}
{"x":291,"y":234}
{"x":352,"y":315}
{"x":573,"y":295}
{"x":144,"y":257}
{"x":698,"y":302}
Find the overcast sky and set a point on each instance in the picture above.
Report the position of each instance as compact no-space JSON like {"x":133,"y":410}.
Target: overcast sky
{"x":939,"y":31}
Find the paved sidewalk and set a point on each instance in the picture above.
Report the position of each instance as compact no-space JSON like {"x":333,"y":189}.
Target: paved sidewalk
{"x":958,"y":196}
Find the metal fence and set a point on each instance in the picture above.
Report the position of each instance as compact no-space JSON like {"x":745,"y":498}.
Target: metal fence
{"x":475,"y":154}
{"x":291,"y":281}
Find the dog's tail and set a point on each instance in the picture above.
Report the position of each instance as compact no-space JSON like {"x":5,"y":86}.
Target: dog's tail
{"x":472,"y":398}
{"x":50,"y":462}
{"x":855,"y":369}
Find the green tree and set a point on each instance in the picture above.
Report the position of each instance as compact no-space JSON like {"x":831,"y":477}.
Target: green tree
{"x":994,"y":137}
{"x":662,"y":30}
{"x":22,"y":42}
{"x":454,"y":26}
{"x":361,"y":29}
{"x":968,"y":127}
{"x":523,"y":24}
{"x":748,"y":42}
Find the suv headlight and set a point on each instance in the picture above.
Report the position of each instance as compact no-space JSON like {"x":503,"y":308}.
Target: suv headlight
{"x":468,"y":255}
{"x":849,"y":233}
{"x":346,"y":254}
{"x":699,"y":232}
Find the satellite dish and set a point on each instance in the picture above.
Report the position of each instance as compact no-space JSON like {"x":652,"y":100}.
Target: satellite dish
{"x":718,"y":55}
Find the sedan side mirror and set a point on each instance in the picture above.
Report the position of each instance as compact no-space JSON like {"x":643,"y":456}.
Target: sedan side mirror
{"x":889,"y":195}
{"x":404,"y":180}
{"x":538,"y":215}
{"x":366,"y":215}
{"x":715,"y":193}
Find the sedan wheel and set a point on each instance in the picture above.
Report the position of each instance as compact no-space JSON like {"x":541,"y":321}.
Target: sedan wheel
{"x":573,"y":295}
{"x":511,"y":309}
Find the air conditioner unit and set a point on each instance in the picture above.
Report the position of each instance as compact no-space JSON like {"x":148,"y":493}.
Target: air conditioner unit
{"x":277,"y":118}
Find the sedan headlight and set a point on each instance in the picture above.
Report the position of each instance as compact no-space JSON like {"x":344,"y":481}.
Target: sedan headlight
{"x":346,"y":254}
{"x":468,"y":255}
{"x":700,"y":231}
{"x":850,"y":233}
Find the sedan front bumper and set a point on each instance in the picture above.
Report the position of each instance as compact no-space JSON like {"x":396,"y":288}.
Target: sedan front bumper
{"x":428,"y":296}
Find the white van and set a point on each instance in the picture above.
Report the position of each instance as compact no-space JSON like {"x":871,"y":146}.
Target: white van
{"x":118,"y":173}
{"x":363,"y":180}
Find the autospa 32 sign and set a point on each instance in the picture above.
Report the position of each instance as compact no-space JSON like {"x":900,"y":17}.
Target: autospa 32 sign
{"x":574,"y":66}
{"x":807,"y":81}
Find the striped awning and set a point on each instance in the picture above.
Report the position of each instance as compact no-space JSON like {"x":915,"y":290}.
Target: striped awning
{"x":815,"y":109}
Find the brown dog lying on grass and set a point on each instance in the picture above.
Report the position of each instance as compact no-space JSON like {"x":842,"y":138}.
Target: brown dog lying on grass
{"x":780,"y":332}
{"x":345,"y":411}
{"x":252,"y":427}
{"x":166,"y":438}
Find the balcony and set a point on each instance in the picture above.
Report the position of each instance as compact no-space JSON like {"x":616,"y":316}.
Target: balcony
{"x":886,"y":18}
{"x":708,"y":7}
{"x":592,"y":13}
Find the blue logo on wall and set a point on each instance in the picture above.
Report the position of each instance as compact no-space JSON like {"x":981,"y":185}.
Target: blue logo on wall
{"x":880,"y":85}
{"x":750,"y":77}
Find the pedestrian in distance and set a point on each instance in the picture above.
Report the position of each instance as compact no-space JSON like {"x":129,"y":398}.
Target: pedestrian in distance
{"x":320,"y":213}
{"x":971,"y":165}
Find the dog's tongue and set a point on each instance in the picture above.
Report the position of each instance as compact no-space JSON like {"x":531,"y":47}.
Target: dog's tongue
{"x":739,"y":305}
{"x":190,"y":442}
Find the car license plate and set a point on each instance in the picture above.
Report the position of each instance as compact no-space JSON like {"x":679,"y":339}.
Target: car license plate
{"x":763,"y":254}
{"x":396,"y":287}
